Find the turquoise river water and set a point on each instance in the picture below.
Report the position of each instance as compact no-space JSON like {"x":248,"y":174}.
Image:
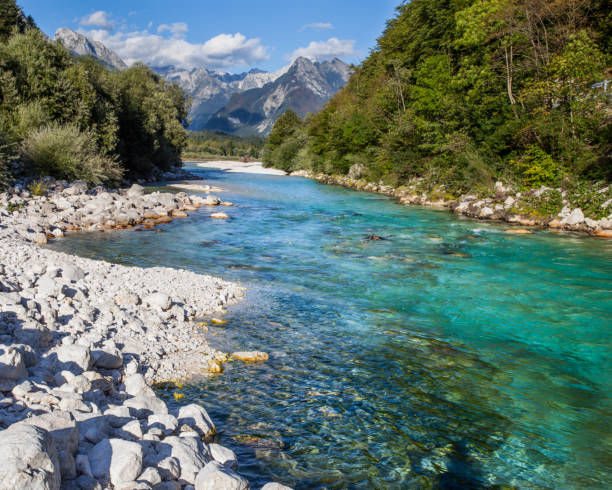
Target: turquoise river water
{"x":448,"y":355}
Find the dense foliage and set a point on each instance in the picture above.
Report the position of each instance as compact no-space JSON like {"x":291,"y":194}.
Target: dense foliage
{"x":208,"y":145}
{"x":463,"y":92}
{"x":73,"y":118}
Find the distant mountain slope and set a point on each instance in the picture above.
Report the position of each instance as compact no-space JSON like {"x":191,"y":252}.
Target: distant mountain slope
{"x":82,"y":46}
{"x":304,"y":88}
{"x":211,"y":90}
{"x":245,"y":103}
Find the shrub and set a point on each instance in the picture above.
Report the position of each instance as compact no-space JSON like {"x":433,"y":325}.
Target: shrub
{"x":38,"y":188}
{"x":29,"y":116}
{"x":64,"y":152}
{"x":537,"y":168}
{"x":6,"y":155}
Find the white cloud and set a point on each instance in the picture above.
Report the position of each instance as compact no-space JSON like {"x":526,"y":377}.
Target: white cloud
{"x":224,"y":51}
{"x":317,"y":25}
{"x":178,"y":29}
{"x":326,"y":50}
{"x":98,"y":19}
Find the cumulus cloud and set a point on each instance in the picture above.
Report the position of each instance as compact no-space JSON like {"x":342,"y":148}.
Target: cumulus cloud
{"x":98,"y":19}
{"x":177,"y":29}
{"x":317,"y":25}
{"x":326,"y":50}
{"x":224,"y":51}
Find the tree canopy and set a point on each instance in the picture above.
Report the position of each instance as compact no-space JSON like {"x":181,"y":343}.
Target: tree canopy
{"x":133,"y":120}
{"x":464,"y":92}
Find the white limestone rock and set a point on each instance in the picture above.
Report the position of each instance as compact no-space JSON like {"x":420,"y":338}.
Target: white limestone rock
{"x":116,"y":460}
{"x":215,"y":476}
{"x":29,"y":459}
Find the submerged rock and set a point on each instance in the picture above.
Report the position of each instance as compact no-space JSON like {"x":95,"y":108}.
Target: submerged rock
{"x":254,"y":356}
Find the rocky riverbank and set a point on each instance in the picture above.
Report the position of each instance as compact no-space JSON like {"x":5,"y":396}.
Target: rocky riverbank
{"x":503,"y":204}
{"x":81,"y":341}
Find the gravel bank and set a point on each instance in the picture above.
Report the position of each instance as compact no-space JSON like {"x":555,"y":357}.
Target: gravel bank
{"x":82,"y":340}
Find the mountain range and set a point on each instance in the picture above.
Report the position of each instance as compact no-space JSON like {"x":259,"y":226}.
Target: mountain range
{"x":244,"y":104}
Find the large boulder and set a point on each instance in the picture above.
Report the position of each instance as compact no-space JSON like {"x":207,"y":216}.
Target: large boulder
{"x":116,"y":460}
{"x":165,"y":422}
{"x":576,"y":217}
{"x":189,"y":451}
{"x":48,"y":287}
{"x":29,"y":459}
{"x":197,"y":418}
{"x":61,"y":426}
{"x":144,"y":406}
{"x":357,"y":171}
{"x":223,"y":455}
{"x":107,"y":358}
{"x":74,"y":358}
{"x":12,"y":363}
{"x":136,"y":385}
{"x":215,"y":476}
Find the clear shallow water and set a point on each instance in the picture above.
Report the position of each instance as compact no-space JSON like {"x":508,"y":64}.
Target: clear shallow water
{"x":449,"y":355}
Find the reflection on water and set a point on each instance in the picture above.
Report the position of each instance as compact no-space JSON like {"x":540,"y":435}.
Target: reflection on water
{"x":446,"y":355}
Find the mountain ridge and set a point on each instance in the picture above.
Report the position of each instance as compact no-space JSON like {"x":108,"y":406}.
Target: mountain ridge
{"x":304,"y":88}
{"x":81,"y":45}
{"x":243,"y":103}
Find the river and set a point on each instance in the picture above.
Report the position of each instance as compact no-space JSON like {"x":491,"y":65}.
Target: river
{"x":446,"y":355}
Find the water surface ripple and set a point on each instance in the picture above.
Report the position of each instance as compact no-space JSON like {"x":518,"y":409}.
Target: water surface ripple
{"x":448,"y":355}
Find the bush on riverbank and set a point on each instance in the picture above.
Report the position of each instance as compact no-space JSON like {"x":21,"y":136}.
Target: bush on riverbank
{"x":466,"y":93}
{"x":68,"y":153}
{"x":133,"y":117}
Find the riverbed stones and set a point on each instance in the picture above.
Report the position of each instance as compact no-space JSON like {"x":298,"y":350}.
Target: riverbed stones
{"x":80,"y":348}
{"x":219,"y":216}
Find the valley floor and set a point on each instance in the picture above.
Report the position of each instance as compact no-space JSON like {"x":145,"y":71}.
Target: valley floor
{"x":249,"y":168}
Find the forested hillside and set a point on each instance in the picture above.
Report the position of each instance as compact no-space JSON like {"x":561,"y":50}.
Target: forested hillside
{"x":215,"y":145}
{"x":461,"y":93}
{"x":73,"y":118}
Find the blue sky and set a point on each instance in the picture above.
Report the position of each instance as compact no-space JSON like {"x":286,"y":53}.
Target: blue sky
{"x":226,"y":35}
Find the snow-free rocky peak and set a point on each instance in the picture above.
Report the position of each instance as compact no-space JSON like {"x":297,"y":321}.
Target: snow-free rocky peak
{"x":82,"y":46}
